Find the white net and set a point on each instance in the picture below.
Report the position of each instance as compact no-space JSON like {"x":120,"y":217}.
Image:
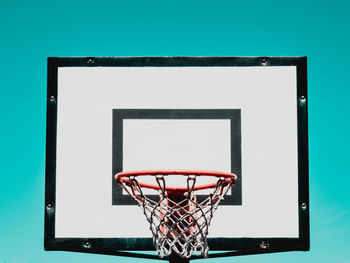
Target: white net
{"x":178,"y":222}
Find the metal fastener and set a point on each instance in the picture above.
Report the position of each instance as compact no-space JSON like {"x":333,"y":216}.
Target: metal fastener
{"x":87,"y":245}
{"x":264,"y":245}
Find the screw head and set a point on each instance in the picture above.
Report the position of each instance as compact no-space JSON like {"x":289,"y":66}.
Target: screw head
{"x":90,"y":61}
{"x":264,"y":245}
{"x":87,"y":244}
{"x":303,"y":206}
{"x":49,"y":206}
{"x":263,"y":60}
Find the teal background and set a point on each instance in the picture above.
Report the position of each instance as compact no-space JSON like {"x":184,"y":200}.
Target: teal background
{"x":30,"y":31}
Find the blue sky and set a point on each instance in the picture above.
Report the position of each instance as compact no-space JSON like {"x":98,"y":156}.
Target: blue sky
{"x":30,"y":31}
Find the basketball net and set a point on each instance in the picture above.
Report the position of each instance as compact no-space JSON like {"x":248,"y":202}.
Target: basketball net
{"x":177,"y":221}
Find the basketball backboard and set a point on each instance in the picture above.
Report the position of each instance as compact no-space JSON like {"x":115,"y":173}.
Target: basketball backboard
{"x":241,"y":115}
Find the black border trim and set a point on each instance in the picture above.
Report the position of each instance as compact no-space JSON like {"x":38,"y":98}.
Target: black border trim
{"x":50,"y":169}
{"x":243,"y":246}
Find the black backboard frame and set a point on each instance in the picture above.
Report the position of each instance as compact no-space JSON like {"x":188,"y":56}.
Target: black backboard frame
{"x":239,"y":245}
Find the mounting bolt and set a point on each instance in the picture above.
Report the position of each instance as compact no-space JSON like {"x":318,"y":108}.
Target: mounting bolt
{"x":303,"y":97}
{"x":264,"y":245}
{"x":87,"y":244}
{"x":52,"y":98}
{"x":49,"y":206}
{"x":90,"y":61}
{"x":303,"y":206}
{"x":263,"y":60}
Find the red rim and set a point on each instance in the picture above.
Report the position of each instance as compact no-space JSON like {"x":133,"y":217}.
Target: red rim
{"x":125,"y":178}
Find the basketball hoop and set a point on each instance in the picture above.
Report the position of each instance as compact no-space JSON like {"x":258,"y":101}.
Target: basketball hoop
{"x":178,"y":222}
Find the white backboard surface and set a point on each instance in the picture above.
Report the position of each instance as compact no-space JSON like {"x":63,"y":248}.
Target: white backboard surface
{"x":266,"y":98}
